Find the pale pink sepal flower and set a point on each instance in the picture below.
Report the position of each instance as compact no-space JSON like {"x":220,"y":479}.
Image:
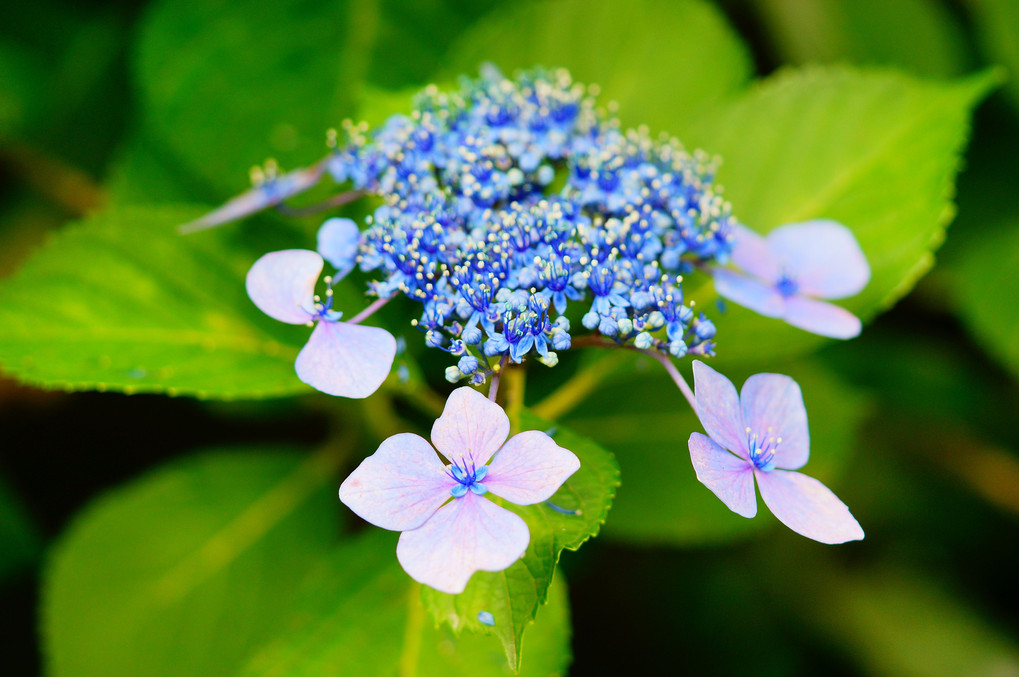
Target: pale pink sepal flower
{"x":450,"y":528}
{"x":340,"y":358}
{"x":785,"y":274}
{"x":765,"y":428}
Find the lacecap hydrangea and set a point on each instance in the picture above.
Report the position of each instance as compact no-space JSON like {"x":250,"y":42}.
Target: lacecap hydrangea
{"x":514,"y":210}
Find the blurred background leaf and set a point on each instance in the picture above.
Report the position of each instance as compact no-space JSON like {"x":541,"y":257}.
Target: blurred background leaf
{"x":921,"y":36}
{"x":20,"y":540}
{"x":631,"y":50}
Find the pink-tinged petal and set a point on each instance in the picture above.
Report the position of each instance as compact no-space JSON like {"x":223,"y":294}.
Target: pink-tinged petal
{"x":529,"y":468}
{"x":808,"y":507}
{"x":471,"y":427}
{"x":282,"y":284}
{"x":467,"y":535}
{"x":730,"y":478}
{"x":718,"y":409}
{"x":750,"y":252}
{"x":773,"y":407}
{"x":749,"y":292}
{"x":822,"y":256}
{"x":255,"y":200}
{"x":337,"y":243}
{"x":821,"y":317}
{"x":348,"y":360}
{"x":399,"y":486}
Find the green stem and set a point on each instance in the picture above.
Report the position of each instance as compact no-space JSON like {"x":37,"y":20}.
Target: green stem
{"x":569,"y":395}
{"x":412,"y":632}
{"x":515,"y":382}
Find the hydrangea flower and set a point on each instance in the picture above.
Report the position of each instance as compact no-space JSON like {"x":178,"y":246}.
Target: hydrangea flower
{"x":340,"y":358}
{"x":450,"y":529}
{"x":765,"y":428}
{"x":506,"y":202}
{"x":787,"y":271}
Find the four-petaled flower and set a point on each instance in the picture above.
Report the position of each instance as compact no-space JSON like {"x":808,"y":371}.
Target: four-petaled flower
{"x":766,"y":428}
{"x":450,"y":529}
{"x":340,"y":358}
{"x":792,"y":267}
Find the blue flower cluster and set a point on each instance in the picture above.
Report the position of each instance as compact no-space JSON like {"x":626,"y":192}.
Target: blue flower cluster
{"x":510,"y":201}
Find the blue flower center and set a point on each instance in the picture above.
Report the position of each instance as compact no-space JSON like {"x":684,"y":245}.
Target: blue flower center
{"x":762,"y":449}
{"x":468,"y":478}
{"x":787,"y":286}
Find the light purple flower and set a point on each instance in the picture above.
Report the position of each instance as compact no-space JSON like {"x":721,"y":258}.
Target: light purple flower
{"x":349,"y":360}
{"x":786,"y":272}
{"x":270,"y":192}
{"x":766,"y":428}
{"x":450,"y":530}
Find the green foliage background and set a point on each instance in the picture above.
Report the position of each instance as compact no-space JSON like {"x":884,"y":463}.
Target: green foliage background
{"x":167,"y":487}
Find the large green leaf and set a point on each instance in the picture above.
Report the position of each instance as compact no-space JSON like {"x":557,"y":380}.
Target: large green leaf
{"x":878,"y":151}
{"x":514,"y":596}
{"x":226,"y":563}
{"x":122,"y":302}
{"x":986,"y":288}
{"x":183,"y":571}
{"x":641,"y":416}
{"x":359,"y":616}
{"x":661,"y":60}
{"x":229,"y":83}
{"x":921,"y":36}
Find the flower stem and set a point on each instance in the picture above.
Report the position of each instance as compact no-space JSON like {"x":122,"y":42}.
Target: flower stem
{"x":412,"y":632}
{"x":369,"y":311}
{"x":311,"y":210}
{"x":496,"y":373}
{"x":670,"y":368}
{"x":566,"y":397}
{"x":515,"y":378}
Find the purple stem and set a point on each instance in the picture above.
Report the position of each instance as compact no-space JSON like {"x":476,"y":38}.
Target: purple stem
{"x":676,"y":377}
{"x":494,"y":389}
{"x":369,"y":311}
{"x":311,"y":210}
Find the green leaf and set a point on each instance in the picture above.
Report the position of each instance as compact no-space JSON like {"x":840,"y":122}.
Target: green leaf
{"x":122,"y":302}
{"x":641,"y":416}
{"x":514,"y":596}
{"x":227,"y":84}
{"x":986,"y":288}
{"x":226,"y":563}
{"x":921,"y":36}
{"x":359,"y":616}
{"x":661,"y":60}
{"x":878,"y":151}
{"x":183,"y":571}
{"x":997,"y":23}
{"x":20,"y":540}
{"x":902,"y":622}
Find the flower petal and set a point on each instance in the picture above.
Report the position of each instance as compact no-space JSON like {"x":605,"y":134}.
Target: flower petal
{"x":821,"y":317}
{"x":750,"y":252}
{"x":337,"y":243}
{"x":471,"y":427}
{"x":729,"y":477}
{"x":774,"y":402}
{"x":258,"y":198}
{"x":282,"y":284}
{"x":348,"y":360}
{"x":823,"y":257}
{"x":718,"y":409}
{"x":808,"y":507}
{"x":467,"y":535}
{"x":399,"y":486}
{"x":529,"y":468}
{"x":749,"y":293}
